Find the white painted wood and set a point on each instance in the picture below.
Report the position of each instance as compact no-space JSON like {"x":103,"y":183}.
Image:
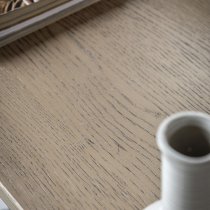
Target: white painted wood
{"x":8,"y":199}
{"x":3,"y":206}
{"x":154,"y":206}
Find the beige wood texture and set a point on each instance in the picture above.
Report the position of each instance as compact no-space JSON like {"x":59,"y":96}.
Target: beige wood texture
{"x":80,"y":102}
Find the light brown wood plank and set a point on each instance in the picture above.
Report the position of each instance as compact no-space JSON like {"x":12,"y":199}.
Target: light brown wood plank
{"x":81,"y":100}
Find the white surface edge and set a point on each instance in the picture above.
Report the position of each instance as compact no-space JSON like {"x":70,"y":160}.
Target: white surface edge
{"x":154,"y":206}
{"x":3,"y":206}
{"x":8,"y":199}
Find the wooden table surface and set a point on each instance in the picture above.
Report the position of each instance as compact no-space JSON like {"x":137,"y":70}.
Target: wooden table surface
{"x":81,"y":100}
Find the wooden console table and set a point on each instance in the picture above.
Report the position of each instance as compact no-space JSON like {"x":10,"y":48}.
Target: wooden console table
{"x":81,"y":100}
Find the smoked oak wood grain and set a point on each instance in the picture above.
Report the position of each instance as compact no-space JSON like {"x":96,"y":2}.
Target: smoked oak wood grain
{"x":81,"y":100}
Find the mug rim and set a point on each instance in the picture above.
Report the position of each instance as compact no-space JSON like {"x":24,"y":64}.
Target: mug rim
{"x":190,"y":118}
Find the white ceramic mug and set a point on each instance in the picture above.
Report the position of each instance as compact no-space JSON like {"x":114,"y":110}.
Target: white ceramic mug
{"x":184,"y":142}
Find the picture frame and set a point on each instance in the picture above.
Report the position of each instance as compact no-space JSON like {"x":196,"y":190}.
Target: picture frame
{"x":40,"y":20}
